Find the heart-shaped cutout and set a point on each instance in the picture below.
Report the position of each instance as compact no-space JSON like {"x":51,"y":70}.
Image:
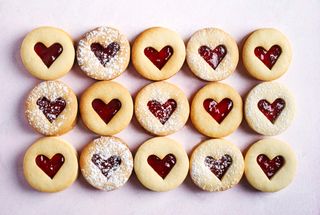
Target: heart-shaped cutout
{"x":108,"y":165}
{"x":213,"y":57}
{"x":164,"y":166}
{"x":103,"y":54}
{"x":272,"y":111}
{"x":51,"y":109}
{"x":48,"y":55}
{"x":218,"y":111}
{"x":50,"y":166}
{"x":270,"y":57}
{"x":159,"y":59}
{"x":218,"y":167}
{"x":106,"y":111}
{"x":270,"y":167}
{"x":162,"y":111}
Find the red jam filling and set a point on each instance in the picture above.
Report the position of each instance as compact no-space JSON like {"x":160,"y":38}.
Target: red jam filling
{"x":103,"y":54}
{"x":106,"y":111}
{"x":48,"y":55}
{"x":162,"y":111}
{"x":164,"y":166}
{"x":106,"y":166}
{"x":271,"y":111}
{"x":218,"y":167}
{"x":218,"y":111}
{"x":213,"y":57}
{"x":51,"y":109}
{"x":270,"y":167}
{"x":50,"y":166}
{"x":159,"y":59}
{"x":270,"y":57}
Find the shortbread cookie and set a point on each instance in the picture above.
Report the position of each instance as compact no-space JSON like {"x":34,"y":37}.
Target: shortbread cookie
{"x":106,"y":107}
{"x":216,"y":165}
{"x":161,"y":108}
{"x":47,"y":53}
{"x":212,"y":54}
{"x":106,"y":163}
{"x":269,"y":108}
{"x":50,"y":165}
{"x":270,"y":165}
{"x":161,"y":164}
{"x":103,"y":53}
{"x":266,"y":54}
{"x":51,"y":108}
{"x":158,"y":53}
{"x":216,"y":110}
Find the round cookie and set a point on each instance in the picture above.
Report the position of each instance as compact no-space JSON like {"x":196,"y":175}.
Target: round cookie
{"x":216,"y":110}
{"x":106,"y":163}
{"x":51,"y":108}
{"x":266,"y":54}
{"x":50,"y":165}
{"x":158,"y":53}
{"x":161,"y":164}
{"x":216,"y":165}
{"x":47,"y":53}
{"x":161,"y":108}
{"x":103,"y":53}
{"x":269,"y":108}
{"x":270,"y":165}
{"x":106,"y":107}
{"x":212,"y":54}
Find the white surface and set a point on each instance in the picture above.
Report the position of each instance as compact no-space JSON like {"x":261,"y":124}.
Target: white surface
{"x":299,"y":21}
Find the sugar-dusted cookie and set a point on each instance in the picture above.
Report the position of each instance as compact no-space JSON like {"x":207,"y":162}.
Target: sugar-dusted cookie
{"x":47,"y":53}
{"x":50,"y":165}
{"x":270,"y":165}
{"x":103,"y":53}
{"x":106,"y":107}
{"x":106,"y":163}
{"x":158,"y":53}
{"x":212,"y":54}
{"x":161,"y":164}
{"x":269,"y":108}
{"x":161,"y":108}
{"x":51,"y":108}
{"x":266,"y":54}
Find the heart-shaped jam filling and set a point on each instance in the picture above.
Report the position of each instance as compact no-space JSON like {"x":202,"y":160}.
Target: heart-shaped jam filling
{"x":164,"y":166}
{"x":51,"y":109}
{"x":106,"y":111}
{"x":213,"y":57}
{"x":270,"y":57}
{"x":159,"y":59}
{"x":218,"y":111}
{"x":103,"y":54}
{"x":218,"y":167}
{"x":162,"y":111}
{"x":50,"y":166}
{"x":270,"y":167}
{"x":106,"y":166}
{"x":272,"y":111}
{"x":48,"y":55}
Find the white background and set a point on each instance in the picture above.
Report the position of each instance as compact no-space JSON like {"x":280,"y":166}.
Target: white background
{"x":299,"y":20}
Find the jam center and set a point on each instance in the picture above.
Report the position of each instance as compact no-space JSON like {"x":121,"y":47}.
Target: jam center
{"x":218,"y":111}
{"x":106,"y":111}
{"x":50,"y":166}
{"x":270,"y":57}
{"x":164,"y":166}
{"x":159,"y":59}
{"x":213,"y":57}
{"x":272,"y":111}
{"x":162,"y":111}
{"x":48,"y":55}
{"x":220,"y":166}
{"x":270,"y":167}
{"x":104,"y":55}
{"x":51,"y":109}
{"x":106,"y":166}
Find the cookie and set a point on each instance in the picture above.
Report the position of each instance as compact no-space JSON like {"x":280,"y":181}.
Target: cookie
{"x":106,"y":163}
{"x":266,"y":54}
{"x":161,"y":164}
{"x":51,"y":108}
{"x":216,"y":110}
{"x":161,"y":108}
{"x":50,"y":165}
{"x":212,"y":54}
{"x":216,"y":165}
{"x":269,"y":108}
{"x":106,"y":107}
{"x":270,"y":165}
{"x":158,"y":53}
{"x":47,"y":53}
{"x":103,"y":53}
